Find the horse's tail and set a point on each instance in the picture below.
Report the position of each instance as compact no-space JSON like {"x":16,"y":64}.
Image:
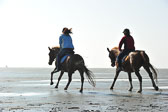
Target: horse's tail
{"x":154,"y":71}
{"x":90,"y":76}
{"x":80,"y":65}
{"x":147,"y":62}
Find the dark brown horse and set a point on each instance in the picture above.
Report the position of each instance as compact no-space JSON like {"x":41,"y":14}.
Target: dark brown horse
{"x":70,"y":65}
{"x":132,"y":63}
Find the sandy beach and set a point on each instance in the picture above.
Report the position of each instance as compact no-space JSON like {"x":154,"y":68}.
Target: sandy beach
{"x":33,"y":93}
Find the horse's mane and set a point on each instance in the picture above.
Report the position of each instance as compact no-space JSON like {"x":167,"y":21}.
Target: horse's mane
{"x":115,"y":48}
{"x":55,"y":47}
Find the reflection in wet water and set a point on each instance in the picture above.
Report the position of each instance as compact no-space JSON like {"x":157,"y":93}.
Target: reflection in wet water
{"x":20,"y":94}
{"x":99,"y":80}
{"x":160,"y":87}
{"x":119,"y":93}
{"x":32,"y":85}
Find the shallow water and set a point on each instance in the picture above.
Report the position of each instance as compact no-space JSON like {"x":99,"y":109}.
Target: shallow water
{"x":29,"y":89}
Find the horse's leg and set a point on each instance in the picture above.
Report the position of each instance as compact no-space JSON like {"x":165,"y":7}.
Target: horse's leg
{"x":69,"y":80}
{"x":140,"y":80}
{"x":151,"y":76}
{"x":130,"y":80}
{"x":82,"y":80}
{"x":51,"y":83}
{"x":59,"y":78}
{"x":115,"y":78}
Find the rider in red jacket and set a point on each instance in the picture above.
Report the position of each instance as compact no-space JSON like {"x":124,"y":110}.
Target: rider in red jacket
{"x":128,"y":42}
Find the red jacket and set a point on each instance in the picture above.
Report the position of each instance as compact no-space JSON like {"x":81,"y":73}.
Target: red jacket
{"x":128,"y":42}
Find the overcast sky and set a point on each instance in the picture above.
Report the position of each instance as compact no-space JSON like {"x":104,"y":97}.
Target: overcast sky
{"x":28,"y":27}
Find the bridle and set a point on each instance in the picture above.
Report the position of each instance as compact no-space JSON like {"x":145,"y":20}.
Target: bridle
{"x":113,"y":58}
{"x":52,"y":58}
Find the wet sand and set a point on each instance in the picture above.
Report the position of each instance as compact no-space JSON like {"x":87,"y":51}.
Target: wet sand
{"x":34,"y":95}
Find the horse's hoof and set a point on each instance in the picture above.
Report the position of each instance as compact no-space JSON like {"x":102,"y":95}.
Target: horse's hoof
{"x":129,"y":89}
{"x":81,"y":91}
{"x":65,"y":88}
{"x":56,"y":87}
{"x":111,"y":88}
{"x":156,"y":88}
{"x":51,"y":83}
{"x":139,"y":91}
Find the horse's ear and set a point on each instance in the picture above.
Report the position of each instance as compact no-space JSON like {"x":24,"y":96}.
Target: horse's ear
{"x":108,"y":50}
{"x":49,"y":48}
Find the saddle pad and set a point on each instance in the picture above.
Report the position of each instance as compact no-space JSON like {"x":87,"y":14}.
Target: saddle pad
{"x":64,"y":57}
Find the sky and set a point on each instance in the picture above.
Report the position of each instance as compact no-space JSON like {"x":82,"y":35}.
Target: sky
{"x":29,"y":27}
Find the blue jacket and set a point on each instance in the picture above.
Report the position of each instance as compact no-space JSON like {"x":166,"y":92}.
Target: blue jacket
{"x":65,"y":41}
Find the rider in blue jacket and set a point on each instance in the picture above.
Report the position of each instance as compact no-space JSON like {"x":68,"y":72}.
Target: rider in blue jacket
{"x":66,"y":46}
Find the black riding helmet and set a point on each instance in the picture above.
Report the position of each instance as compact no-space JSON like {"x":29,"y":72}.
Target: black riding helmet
{"x":126,"y":31}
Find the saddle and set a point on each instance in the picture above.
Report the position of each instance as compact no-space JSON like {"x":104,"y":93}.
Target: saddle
{"x":125,"y":58}
{"x":65,"y":57}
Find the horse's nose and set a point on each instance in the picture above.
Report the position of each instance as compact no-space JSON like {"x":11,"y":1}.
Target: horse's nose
{"x":113,"y":64}
{"x":49,"y":63}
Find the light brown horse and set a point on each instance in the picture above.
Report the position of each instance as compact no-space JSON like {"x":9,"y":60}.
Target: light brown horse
{"x":133,"y":62}
{"x":71,"y":64}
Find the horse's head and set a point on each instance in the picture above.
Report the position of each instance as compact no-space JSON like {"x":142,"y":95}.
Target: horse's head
{"x":52,"y":54}
{"x":113,"y":55}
